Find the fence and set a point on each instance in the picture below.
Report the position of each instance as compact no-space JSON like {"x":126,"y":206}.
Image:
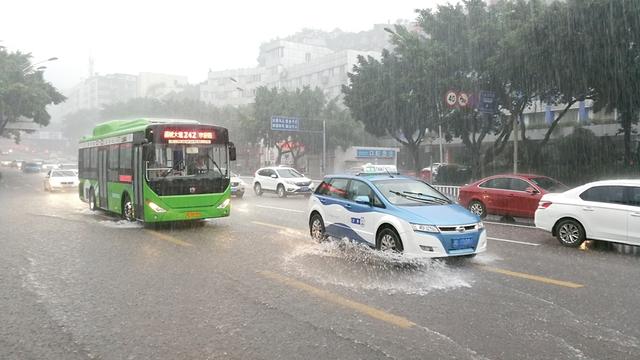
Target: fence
{"x":451,"y":191}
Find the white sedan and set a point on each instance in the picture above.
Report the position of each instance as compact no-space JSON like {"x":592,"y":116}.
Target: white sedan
{"x":603,"y":210}
{"x":60,"y":180}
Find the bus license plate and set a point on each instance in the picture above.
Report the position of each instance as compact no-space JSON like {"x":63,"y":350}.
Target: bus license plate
{"x":193,"y":214}
{"x":461,"y":243}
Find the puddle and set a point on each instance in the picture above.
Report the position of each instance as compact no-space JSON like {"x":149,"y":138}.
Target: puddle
{"x":121,"y":224}
{"x":358,"y":267}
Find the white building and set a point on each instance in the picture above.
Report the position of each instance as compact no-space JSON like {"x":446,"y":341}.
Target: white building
{"x":156,"y":85}
{"x":284,"y":65}
{"x":99,"y":90}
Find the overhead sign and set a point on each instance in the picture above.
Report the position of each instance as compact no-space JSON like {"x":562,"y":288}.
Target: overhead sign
{"x":375,"y":153}
{"x":451,"y":98}
{"x":282,"y":123}
{"x":463,"y":99}
{"x":487,"y":102}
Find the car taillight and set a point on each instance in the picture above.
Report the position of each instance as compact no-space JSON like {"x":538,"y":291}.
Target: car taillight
{"x":544,"y":204}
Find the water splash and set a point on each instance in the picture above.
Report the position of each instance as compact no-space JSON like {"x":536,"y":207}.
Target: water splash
{"x":359,"y":267}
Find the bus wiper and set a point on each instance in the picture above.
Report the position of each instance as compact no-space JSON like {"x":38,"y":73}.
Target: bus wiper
{"x":216,"y":164}
{"x":436,"y":198}
{"x":417,"y":199}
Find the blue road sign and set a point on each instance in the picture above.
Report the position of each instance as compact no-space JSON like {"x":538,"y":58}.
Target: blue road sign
{"x":283,"y":123}
{"x":487,"y":102}
{"x":375,"y":153}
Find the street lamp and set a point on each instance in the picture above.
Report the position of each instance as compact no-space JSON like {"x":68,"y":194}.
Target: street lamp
{"x":38,"y":63}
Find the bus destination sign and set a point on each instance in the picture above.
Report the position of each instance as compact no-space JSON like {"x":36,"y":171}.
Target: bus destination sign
{"x":188,"y":136}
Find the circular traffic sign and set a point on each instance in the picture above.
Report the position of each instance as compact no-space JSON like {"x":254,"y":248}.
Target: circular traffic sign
{"x":463,"y":99}
{"x":451,"y":98}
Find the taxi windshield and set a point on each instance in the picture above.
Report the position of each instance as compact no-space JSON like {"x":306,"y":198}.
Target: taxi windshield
{"x":408,"y":192}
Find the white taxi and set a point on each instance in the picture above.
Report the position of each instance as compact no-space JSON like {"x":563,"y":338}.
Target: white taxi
{"x":393,"y":212}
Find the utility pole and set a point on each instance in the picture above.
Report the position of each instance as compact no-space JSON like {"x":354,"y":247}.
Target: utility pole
{"x":515,"y":145}
{"x":324,"y":146}
{"x":441,"y":144}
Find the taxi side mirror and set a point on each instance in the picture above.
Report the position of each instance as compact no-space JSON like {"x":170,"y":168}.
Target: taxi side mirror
{"x":363,"y":200}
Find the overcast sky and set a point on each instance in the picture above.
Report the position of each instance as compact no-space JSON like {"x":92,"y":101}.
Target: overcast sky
{"x":176,"y":37}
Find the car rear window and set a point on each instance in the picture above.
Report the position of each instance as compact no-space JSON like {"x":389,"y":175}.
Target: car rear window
{"x":63,"y":173}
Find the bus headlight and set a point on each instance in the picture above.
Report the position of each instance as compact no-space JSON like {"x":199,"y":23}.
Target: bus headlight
{"x":425,"y":228}
{"x":224,"y":204}
{"x":156,"y":208}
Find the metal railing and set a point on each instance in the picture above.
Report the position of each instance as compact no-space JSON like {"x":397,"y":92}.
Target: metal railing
{"x":451,"y":191}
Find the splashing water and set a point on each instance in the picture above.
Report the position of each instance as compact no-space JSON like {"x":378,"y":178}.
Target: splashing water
{"x":121,"y":224}
{"x":360,"y":267}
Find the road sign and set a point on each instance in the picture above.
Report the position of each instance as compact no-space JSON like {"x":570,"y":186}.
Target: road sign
{"x":283,"y":123}
{"x":463,"y":99}
{"x":451,"y":98}
{"x":487,"y":102}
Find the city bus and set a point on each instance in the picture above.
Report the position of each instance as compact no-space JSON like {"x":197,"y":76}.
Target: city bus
{"x":155,"y":170}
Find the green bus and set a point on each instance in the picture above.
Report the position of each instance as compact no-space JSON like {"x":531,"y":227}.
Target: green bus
{"x":156,"y":170}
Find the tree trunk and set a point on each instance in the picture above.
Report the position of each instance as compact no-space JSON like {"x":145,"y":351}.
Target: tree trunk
{"x":626,"y":126}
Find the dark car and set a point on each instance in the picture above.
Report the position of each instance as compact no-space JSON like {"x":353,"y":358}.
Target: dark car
{"x":31,"y":167}
{"x":514,"y":195}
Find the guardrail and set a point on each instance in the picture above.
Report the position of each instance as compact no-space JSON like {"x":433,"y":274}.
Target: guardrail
{"x":451,"y":191}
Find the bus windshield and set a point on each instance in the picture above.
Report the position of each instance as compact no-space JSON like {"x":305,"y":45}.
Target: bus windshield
{"x":170,"y":161}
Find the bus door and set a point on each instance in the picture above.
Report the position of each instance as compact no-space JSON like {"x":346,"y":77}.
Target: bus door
{"x":102,"y":178}
{"x":138,"y":182}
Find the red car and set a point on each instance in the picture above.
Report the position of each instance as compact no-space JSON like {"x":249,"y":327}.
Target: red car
{"x":514,"y":195}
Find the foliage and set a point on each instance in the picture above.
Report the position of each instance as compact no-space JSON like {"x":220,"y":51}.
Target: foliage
{"x":23,"y":91}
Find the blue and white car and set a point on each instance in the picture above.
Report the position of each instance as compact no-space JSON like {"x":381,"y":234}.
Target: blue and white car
{"x":393,"y":212}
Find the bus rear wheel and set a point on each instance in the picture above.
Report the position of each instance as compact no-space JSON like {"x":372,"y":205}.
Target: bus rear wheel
{"x":92,"y":200}
{"x":127,"y":209}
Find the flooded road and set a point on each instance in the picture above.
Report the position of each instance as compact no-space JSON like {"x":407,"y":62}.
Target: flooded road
{"x":81,"y":285}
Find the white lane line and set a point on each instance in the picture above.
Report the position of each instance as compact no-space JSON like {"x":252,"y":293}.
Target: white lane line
{"x":513,"y":241}
{"x":514,"y":225}
{"x":279,"y":208}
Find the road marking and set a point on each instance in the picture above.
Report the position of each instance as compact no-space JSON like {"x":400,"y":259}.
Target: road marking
{"x":279,"y":208}
{"x":378,"y":314}
{"x":541,"y":279}
{"x":169,"y":238}
{"x":513,"y":241}
{"x":279,"y":227}
{"x":514,"y":225}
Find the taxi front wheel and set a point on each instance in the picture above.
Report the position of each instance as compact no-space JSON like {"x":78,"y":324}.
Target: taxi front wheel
{"x":316,"y":228}
{"x":389,"y":240}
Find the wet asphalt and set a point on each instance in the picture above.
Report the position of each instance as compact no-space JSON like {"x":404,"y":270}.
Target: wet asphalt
{"x":82,"y":285}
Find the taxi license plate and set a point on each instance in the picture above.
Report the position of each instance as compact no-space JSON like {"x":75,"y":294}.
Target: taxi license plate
{"x":462,"y":243}
{"x":193,"y":214}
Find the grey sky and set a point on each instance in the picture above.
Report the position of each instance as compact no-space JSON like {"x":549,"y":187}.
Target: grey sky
{"x":178,"y":37}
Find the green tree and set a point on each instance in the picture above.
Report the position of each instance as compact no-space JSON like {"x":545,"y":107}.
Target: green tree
{"x":23,"y":92}
{"x":396,"y":95}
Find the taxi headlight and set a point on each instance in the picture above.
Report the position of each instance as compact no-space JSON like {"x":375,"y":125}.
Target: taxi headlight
{"x":156,"y":208}
{"x":480,"y":226}
{"x":425,"y":228}
{"x":224,"y":204}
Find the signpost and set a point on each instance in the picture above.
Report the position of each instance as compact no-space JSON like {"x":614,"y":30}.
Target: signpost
{"x":285,"y":123}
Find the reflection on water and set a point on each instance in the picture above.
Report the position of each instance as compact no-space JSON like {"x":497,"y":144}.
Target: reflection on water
{"x":596,"y":245}
{"x":359,"y":267}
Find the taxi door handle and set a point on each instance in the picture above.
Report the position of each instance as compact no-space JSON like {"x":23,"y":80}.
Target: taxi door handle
{"x":635,"y":214}
{"x":348,"y":206}
{"x":587,"y":208}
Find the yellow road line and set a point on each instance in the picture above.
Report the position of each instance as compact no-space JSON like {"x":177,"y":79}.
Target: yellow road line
{"x":169,"y":238}
{"x":541,"y":279}
{"x":342,"y":301}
